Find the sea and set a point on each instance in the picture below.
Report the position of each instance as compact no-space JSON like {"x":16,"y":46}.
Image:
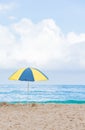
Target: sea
{"x":42,"y":93}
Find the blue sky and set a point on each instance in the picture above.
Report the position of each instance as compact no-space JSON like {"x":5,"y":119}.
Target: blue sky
{"x":47,"y":34}
{"x":69,"y":15}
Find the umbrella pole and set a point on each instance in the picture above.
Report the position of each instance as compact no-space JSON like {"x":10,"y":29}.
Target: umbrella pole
{"x":28,"y":87}
{"x":27,"y":92}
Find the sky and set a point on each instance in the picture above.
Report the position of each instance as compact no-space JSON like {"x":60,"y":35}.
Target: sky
{"x":47,"y":34}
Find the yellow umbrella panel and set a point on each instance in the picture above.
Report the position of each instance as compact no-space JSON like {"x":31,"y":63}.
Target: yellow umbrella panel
{"x":28,"y":74}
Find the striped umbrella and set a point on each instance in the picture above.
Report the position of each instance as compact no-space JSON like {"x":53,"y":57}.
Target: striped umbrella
{"x":28,"y":74}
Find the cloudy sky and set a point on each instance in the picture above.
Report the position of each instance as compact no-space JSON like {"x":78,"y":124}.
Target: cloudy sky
{"x":47,"y":34}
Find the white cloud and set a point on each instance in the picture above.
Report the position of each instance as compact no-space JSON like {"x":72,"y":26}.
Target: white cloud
{"x":40,"y":45}
{"x":12,"y":18}
{"x":6,"y":6}
{"x":74,"y":38}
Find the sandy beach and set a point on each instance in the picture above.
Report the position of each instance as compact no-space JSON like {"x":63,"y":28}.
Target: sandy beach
{"x":42,"y":117}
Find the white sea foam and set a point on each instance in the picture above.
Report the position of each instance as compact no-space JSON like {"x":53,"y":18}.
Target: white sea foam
{"x":14,"y":93}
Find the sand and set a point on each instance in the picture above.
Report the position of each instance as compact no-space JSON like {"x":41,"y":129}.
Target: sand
{"x":42,"y":117}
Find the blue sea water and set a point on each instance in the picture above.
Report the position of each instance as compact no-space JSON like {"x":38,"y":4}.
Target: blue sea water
{"x":42,"y":93}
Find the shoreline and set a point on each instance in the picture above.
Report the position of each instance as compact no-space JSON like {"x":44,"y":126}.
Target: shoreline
{"x":42,"y":116}
{"x":47,"y":102}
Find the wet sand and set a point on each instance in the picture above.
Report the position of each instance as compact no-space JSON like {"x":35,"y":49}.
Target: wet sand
{"x":42,"y":117}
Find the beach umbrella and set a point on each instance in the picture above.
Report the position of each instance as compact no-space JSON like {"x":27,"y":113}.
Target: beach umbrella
{"x":28,"y":74}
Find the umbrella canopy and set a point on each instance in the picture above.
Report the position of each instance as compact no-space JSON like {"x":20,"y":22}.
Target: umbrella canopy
{"x":28,"y":74}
